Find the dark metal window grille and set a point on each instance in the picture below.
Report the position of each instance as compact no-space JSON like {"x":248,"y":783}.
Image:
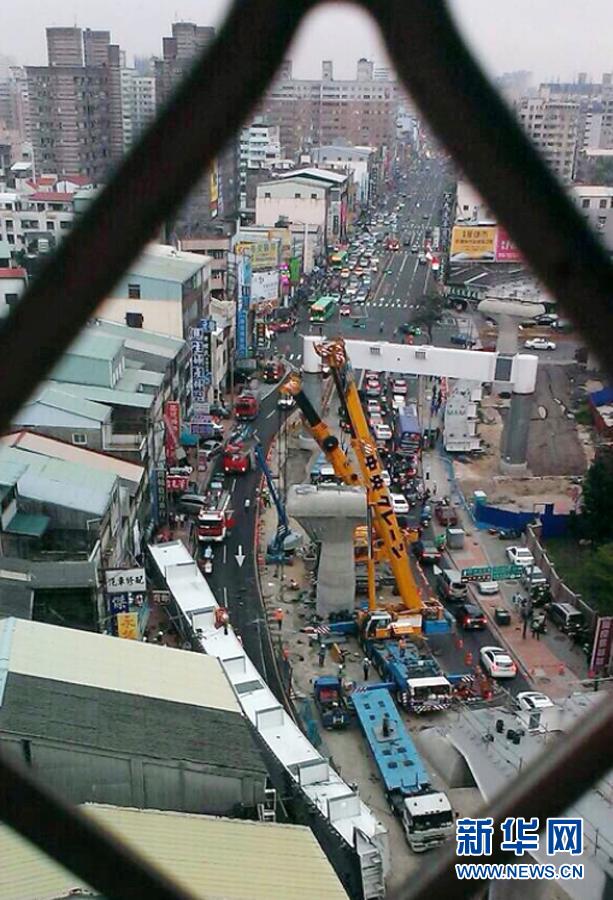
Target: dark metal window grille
{"x":211,"y":104}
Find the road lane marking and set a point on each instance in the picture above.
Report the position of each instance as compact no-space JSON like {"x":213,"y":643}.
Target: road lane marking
{"x":271,"y":413}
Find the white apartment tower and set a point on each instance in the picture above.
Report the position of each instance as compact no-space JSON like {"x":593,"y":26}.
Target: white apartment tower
{"x":553,"y":126}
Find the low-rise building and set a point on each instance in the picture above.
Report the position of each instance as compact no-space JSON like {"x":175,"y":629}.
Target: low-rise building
{"x":13,"y":282}
{"x":199,"y":853}
{"x":595,"y":202}
{"x":125,"y":722}
{"x":165,"y":291}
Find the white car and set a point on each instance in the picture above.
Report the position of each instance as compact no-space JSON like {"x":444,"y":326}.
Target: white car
{"x":385,"y":475}
{"x":487,"y":587}
{"x":497,"y":662}
{"x":533,"y":576}
{"x":540,"y":344}
{"x":530,"y":700}
{"x":382,"y":431}
{"x":398,"y":402}
{"x":520,"y":556}
{"x":399,"y":386}
{"x":400,"y":504}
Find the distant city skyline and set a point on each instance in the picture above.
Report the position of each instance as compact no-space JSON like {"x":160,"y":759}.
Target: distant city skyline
{"x":552,"y":40}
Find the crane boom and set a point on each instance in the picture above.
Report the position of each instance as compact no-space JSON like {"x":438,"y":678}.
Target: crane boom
{"x":384,"y":517}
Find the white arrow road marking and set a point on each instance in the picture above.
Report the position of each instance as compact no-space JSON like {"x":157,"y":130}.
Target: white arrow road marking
{"x":240,"y":556}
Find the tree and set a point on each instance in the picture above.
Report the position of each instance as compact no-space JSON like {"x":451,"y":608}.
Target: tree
{"x":597,"y":505}
{"x":429,"y":312}
{"x":597,"y":578}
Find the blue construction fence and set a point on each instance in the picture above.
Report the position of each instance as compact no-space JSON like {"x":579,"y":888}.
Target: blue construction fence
{"x":554,"y":524}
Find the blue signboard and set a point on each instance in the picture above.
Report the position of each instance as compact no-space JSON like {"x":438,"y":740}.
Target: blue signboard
{"x":242,"y":306}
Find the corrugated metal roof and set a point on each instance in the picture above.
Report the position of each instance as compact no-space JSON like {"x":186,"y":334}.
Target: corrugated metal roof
{"x":134,"y":376}
{"x":28,"y":524}
{"x":63,"y":399}
{"x":59,"y":482}
{"x":109,"y":663}
{"x":46,"y":446}
{"x":214,"y":858}
{"x":11,"y":470}
{"x":167,"y":264}
{"x":149,"y":339}
{"x":92,"y":344}
{"x":316,"y":174}
{"x":112,"y":396}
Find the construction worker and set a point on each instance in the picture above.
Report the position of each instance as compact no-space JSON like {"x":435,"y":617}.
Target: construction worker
{"x":278,"y":617}
{"x":366,"y":667}
{"x":321,"y":655}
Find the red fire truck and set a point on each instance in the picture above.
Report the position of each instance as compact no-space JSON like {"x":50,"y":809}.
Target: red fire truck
{"x":247,"y":406}
{"x":214,"y":519}
{"x":237,"y":459}
{"x":392,"y":243}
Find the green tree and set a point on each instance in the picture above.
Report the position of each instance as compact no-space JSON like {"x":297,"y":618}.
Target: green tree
{"x":429,"y":312}
{"x":597,"y":506}
{"x":597,"y":579}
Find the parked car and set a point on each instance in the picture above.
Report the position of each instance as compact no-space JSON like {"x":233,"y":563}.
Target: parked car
{"x":540,"y":344}
{"x":445,"y":514}
{"x":450,"y":585}
{"x":487,"y":587}
{"x":399,"y":386}
{"x":520,"y":556}
{"x":529,"y":700}
{"x":382,"y":432}
{"x":497,"y":662}
{"x":426,"y":552}
{"x":533,"y":576}
{"x":546,"y":319}
{"x":470,"y":618}
{"x":400,"y":505}
{"x":566,"y":617}
{"x":344,"y":310}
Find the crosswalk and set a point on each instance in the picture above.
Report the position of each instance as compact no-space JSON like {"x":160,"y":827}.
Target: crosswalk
{"x":390,"y":303}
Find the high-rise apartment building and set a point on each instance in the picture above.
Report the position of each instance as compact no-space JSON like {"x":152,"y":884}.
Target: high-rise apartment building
{"x":317,"y":112}
{"x":553,"y":126}
{"x":137,"y":104}
{"x":215,"y":197}
{"x":75,"y":104}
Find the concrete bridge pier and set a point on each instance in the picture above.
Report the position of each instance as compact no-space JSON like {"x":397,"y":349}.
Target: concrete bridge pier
{"x":330,"y":514}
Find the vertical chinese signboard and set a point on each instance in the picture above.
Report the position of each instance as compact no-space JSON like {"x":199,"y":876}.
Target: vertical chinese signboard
{"x":601,"y":652}
{"x":201,"y":345}
{"x":172,"y":423}
{"x":161,"y":495}
{"x":126,"y":596}
{"x":242,"y":306}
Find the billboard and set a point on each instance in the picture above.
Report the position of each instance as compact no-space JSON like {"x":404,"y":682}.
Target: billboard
{"x":263,"y":254}
{"x":476,"y":242}
{"x":242,"y":306}
{"x":127,"y":625}
{"x":265,"y":286}
{"x":214,"y":189}
{"x":125,"y":581}
{"x":506,"y":251}
{"x":172,"y":423}
{"x":201,"y":347}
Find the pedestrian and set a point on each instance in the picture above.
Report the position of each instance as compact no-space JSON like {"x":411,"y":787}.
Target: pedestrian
{"x":434,"y":488}
{"x":321,"y":655}
{"x":366,"y":667}
{"x":536,"y":628}
{"x":341,"y":669}
{"x":278,"y":617}
{"x":526,"y":619}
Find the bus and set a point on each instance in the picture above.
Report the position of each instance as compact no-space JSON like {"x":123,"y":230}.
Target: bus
{"x":407,"y":430}
{"x":323,"y":309}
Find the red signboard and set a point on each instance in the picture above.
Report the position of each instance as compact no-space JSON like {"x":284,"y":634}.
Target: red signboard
{"x":601,"y":653}
{"x":505,"y":250}
{"x":177,"y":483}
{"x":172,"y":424}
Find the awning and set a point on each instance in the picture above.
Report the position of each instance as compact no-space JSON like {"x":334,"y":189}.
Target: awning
{"x":189,"y":440}
{"x":29,"y":525}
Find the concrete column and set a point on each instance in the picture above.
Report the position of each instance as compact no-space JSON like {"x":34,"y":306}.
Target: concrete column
{"x":311,"y":384}
{"x":330,"y":514}
{"x":514,"y":441}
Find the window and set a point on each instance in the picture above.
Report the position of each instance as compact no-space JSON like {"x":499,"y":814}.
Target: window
{"x":267,"y":195}
{"x":11,"y":299}
{"x":602,"y":204}
{"x":313,"y":196}
{"x":64,"y":226}
{"x":79,"y":438}
{"x":585,"y":203}
{"x":134,"y":320}
{"x":50,"y":226}
{"x":297,"y":195}
{"x":134,"y":291}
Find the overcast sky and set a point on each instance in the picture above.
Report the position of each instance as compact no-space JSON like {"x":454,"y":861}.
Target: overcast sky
{"x":549,"y":37}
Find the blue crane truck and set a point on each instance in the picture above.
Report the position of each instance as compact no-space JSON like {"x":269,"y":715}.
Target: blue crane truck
{"x":426,"y":814}
{"x":420,"y":685}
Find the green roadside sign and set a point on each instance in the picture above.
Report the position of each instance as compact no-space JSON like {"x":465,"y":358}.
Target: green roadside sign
{"x":491,"y":573}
